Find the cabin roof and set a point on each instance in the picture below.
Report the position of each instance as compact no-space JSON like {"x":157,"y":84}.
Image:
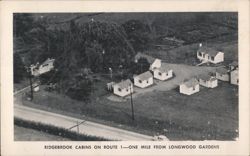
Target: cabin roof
{"x":222,"y":70}
{"x":191,"y":83}
{"x":206,"y":77}
{"x":48,"y":61}
{"x":234,"y":63}
{"x":145,"y":76}
{"x":124,"y":84}
{"x":208,"y":50}
{"x":164,"y":69}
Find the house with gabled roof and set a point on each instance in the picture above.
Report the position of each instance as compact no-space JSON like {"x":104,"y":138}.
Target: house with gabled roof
{"x":42,"y":68}
{"x":208,"y":81}
{"x":222,"y":74}
{"x":163,"y":73}
{"x":154,"y":62}
{"x":189,"y":87}
{"x":123,"y":88}
{"x":143,"y":80}
{"x":208,"y":54}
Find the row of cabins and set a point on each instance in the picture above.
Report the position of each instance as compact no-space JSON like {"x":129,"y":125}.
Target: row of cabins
{"x":146,"y":79}
{"x":211,"y":81}
{"x":204,"y":54}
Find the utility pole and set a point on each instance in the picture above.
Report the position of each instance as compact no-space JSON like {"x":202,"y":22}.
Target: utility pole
{"x":132,"y":105}
{"x":31,"y":86}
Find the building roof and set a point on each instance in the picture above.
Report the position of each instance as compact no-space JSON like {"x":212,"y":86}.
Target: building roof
{"x":207,"y":77}
{"x":145,"y":76}
{"x":191,"y":83}
{"x":141,"y":55}
{"x":234,"y":63}
{"x":222,"y":70}
{"x":48,"y":61}
{"x":164,"y":69}
{"x":124,"y":84}
{"x":208,"y":50}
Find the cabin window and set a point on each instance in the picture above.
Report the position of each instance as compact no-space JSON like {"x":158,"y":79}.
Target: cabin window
{"x":208,"y":57}
{"x":203,"y":55}
{"x":140,"y":81}
{"x":212,"y":58}
{"x":237,"y":81}
{"x":147,"y":81}
{"x":193,"y":87}
{"x":127,"y":90}
{"x":159,"y":73}
{"x":167,"y":74}
{"x":119,"y":89}
{"x":200,"y":54}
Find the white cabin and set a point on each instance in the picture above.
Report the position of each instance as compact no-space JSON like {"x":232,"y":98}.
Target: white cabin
{"x":189,"y":87}
{"x":234,"y":77}
{"x":208,"y":81}
{"x":123,"y":88}
{"x":143,"y":80}
{"x":206,"y":54}
{"x":222,"y":74}
{"x":163,"y":73}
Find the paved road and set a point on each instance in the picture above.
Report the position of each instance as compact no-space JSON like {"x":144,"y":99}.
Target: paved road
{"x":86,"y":127}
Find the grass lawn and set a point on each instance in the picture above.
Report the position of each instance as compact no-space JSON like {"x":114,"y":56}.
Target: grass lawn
{"x":26,"y":134}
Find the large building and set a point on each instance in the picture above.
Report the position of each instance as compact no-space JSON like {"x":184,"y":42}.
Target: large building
{"x":189,"y":87}
{"x":143,"y":80}
{"x":123,"y":88}
{"x":207,"y":54}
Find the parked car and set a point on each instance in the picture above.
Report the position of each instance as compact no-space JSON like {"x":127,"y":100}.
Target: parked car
{"x":160,"y":138}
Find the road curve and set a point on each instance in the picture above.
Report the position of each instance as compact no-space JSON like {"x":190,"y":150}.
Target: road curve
{"x":87,"y":127}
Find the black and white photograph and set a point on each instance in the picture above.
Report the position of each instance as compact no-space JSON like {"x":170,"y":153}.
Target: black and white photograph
{"x":134,"y":76}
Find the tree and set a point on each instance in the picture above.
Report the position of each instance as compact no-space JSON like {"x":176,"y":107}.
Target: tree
{"x":138,"y":34}
{"x":141,"y":66}
{"x":23,"y":22}
{"x":19,"y":70}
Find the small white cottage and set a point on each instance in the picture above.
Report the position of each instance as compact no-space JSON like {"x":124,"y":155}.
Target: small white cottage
{"x":45,"y":67}
{"x":123,"y":88}
{"x":222,"y":74}
{"x":189,"y":87}
{"x":208,"y":81}
{"x":143,"y":80}
{"x":163,"y":73}
{"x":234,"y":77}
{"x":154,"y":62}
{"x":206,"y":54}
